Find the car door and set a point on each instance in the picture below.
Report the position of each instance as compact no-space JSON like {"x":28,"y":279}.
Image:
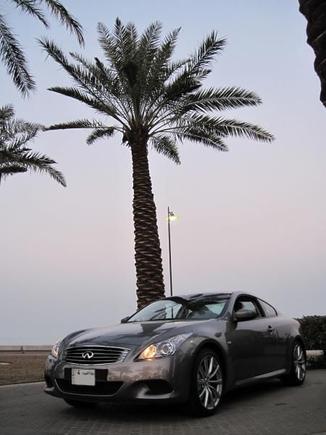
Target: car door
{"x":276,"y":338}
{"x":246,"y":340}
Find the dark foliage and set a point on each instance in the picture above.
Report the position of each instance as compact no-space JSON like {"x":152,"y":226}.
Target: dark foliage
{"x":313,"y":329}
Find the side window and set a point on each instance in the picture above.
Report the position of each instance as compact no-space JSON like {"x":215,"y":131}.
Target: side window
{"x":247,"y":304}
{"x":205,"y":311}
{"x":268,"y":309}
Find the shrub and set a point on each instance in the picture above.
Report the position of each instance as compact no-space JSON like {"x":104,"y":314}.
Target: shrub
{"x":313,"y":330}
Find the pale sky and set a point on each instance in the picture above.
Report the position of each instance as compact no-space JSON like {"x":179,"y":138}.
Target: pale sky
{"x":252,"y":219}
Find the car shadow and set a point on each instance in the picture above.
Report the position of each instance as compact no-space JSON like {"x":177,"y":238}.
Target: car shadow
{"x":252,"y":392}
{"x":158,"y":412}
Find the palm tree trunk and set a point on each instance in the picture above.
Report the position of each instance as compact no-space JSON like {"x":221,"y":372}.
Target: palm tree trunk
{"x":148,"y":257}
{"x":315,"y":13}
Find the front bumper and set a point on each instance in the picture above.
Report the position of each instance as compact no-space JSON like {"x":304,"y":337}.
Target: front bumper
{"x":162,"y":379}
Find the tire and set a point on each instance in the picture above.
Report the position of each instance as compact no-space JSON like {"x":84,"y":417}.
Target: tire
{"x":206,"y":384}
{"x":297,"y":373}
{"x":80,"y":404}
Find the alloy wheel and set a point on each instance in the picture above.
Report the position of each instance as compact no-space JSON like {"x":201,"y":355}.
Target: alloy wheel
{"x":299,"y":362}
{"x":209,"y":382}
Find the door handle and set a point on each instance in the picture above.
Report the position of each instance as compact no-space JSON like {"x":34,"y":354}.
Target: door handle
{"x":270,"y":328}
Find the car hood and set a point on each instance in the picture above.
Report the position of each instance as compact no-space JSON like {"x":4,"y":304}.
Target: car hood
{"x":130,"y":334}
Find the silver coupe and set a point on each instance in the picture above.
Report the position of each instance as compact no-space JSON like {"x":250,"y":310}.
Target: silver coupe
{"x":189,"y":349}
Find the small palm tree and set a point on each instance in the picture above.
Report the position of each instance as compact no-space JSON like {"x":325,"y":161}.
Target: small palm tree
{"x":14,"y":156}
{"x":11,"y":52}
{"x":152,"y":101}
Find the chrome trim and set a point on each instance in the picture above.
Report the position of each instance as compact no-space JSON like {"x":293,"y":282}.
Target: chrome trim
{"x":102,"y":354}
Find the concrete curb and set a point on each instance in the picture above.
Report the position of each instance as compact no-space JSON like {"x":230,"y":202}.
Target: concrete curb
{"x":22,"y":384}
{"x":315,"y":353}
{"x":23,"y":349}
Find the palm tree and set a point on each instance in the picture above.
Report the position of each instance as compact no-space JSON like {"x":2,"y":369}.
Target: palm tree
{"x":151,"y":101}
{"x":14,"y":156}
{"x":315,"y":13}
{"x":11,"y":52}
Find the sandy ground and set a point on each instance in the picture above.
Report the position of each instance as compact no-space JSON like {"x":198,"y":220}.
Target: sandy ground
{"x":18,"y":367}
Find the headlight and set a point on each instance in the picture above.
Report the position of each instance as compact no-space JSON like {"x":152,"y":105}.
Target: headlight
{"x":163,"y":348}
{"x":55,"y":349}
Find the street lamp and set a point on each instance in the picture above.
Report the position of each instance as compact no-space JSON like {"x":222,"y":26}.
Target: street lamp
{"x":171,"y":218}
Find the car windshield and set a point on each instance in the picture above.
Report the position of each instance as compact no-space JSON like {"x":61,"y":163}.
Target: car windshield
{"x":179,"y":309}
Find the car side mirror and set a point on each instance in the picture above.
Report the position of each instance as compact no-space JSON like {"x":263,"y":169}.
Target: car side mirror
{"x":243,"y":314}
{"x":125,"y":319}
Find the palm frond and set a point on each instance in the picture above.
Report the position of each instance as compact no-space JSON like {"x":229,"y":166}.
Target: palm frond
{"x":204,"y":55}
{"x":195,"y":69}
{"x":231,"y":127}
{"x":166,"y":146}
{"x":10,"y":169}
{"x":183,"y":85}
{"x":131,"y":29}
{"x":60,"y":12}
{"x":11,"y":52}
{"x":219,"y":99}
{"x":82,"y":123}
{"x":97,"y":76}
{"x":149,"y":41}
{"x":227,"y":127}
{"x":105,"y":41}
{"x":110,"y":79}
{"x":160,"y":64}
{"x":13,"y":129}
{"x":100,"y":133}
{"x":200,"y":135}
{"x":109,"y":46}
{"x":151,"y":35}
{"x":14,"y":155}
{"x":58,"y":56}
{"x":125,"y":39}
{"x":41,"y":163}
{"x":6,"y":113}
{"x":24,"y":159}
{"x":98,"y":93}
{"x":18,"y":141}
{"x":92,"y":102}
{"x":30,"y":7}
{"x":13,"y":57}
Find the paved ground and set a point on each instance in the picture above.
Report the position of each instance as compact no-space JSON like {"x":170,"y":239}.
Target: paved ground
{"x":267,"y":408}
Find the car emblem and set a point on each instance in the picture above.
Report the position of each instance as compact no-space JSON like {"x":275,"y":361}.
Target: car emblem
{"x":88,"y":355}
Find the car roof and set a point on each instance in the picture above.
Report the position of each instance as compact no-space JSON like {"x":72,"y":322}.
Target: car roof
{"x":201,"y":296}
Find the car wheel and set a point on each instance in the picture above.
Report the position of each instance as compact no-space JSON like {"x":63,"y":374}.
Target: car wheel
{"x":207,"y":383}
{"x":80,"y":404}
{"x":297,"y":373}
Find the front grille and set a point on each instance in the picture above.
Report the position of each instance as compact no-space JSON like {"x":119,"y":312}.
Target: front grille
{"x":95,"y":354}
{"x":100,"y":388}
